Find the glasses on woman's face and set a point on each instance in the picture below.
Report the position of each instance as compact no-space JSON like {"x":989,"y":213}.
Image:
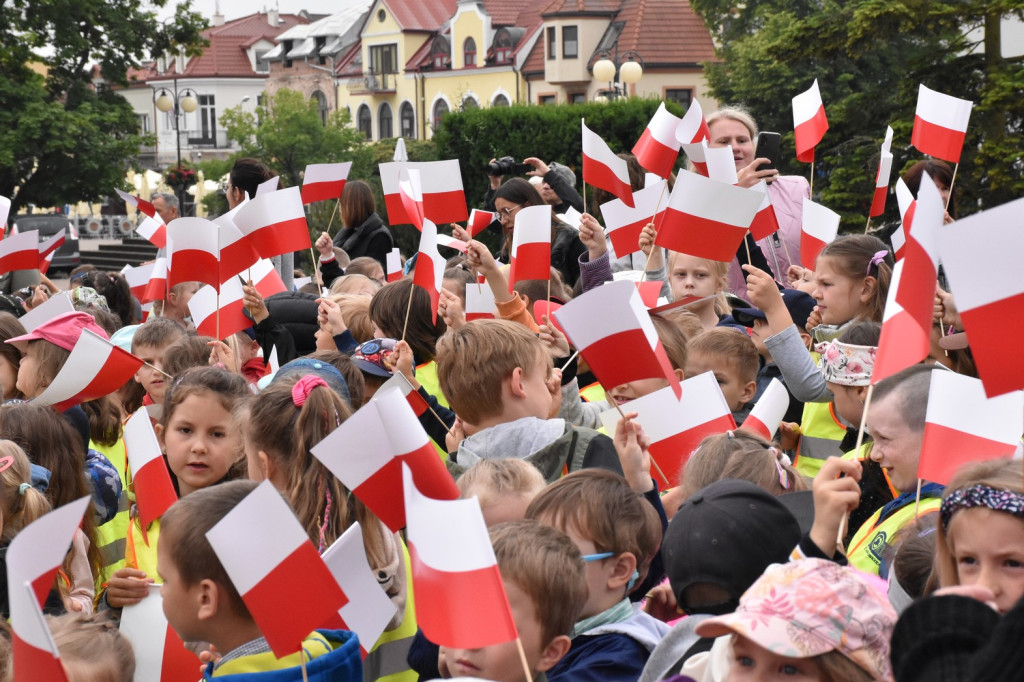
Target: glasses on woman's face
{"x":509,"y":210}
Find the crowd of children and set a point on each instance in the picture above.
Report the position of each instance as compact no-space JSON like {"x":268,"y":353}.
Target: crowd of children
{"x":801,"y":556}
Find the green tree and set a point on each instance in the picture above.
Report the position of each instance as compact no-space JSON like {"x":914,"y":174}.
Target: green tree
{"x":68,"y":135}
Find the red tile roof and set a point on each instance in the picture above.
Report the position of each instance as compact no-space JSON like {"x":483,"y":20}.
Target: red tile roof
{"x":665,"y":32}
{"x":578,"y":6}
{"x":420,"y":15}
{"x":522,"y":13}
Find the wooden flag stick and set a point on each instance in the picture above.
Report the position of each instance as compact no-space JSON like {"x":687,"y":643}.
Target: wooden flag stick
{"x":569,"y":361}
{"x":917,"y":498}
{"x":218,"y":315}
{"x":522,"y":659}
{"x":317,"y":276}
{"x":856,"y":451}
{"x":302,"y":662}
{"x":337,"y":203}
{"x":436,"y":415}
{"x":812,"y":179}
{"x":157,"y":369}
{"x":746,"y":243}
{"x":549,"y":296}
{"x":951,"y":181}
{"x":868,"y":225}
{"x":408,"y":308}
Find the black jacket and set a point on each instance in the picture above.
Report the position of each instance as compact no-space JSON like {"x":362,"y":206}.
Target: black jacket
{"x":372,"y":238}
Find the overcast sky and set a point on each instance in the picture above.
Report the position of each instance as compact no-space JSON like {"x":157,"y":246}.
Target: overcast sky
{"x":232,"y":9}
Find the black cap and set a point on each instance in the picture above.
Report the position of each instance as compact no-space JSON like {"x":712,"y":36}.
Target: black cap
{"x":799,"y":304}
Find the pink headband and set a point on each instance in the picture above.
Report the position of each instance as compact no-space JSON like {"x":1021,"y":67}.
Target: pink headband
{"x":876,"y":260}
{"x":304,"y":386}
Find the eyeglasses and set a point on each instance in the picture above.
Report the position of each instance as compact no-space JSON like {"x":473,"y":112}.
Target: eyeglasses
{"x":508,"y":211}
{"x":597,"y":557}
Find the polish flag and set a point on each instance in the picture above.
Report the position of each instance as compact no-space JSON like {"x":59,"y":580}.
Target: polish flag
{"x":265,"y":278}
{"x":193,"y":252}
{"x":154,"y":492}
{"x":768,"y":411}
{"x":444,"y":200}
{"x":429,"y":269}
{"x":707,"y":218}
{"x":324,"y":181}
{"x":479,"y":303}
{"x":602,"y":168}
{"x":882,"y":178}
{"x":394,"y":261}
{"x":205,"y":311}
{"x":20,"y":251}
{"x":236,"y":252}
{"x":809,"y":122}
{"x":156,"y":290}
{"x":904,"y":342}
{"x":479,"y":220}
{"x":138,"y":203}
{"x":47,"y":249}
{"x":412,"y":396}
{"x":691,"y":131}
{"x":720,"y":164}
{"x":962,"y":425}
{"x":610,"y":323}
{"x":385,"y":433}
{"x":451,"y":557}
{"x":160,"y":655}
{"x":940,"y":124}
{"x":268,"y":186}
{"x":452,"y":243}
{"x":908,"y":206}
{"x":410,"y":193}
{"x":95,"y":368}
{"x":33,"y":558}
{"x":571,"y":217}
{"x":369,"y":610}
{"x":981,"y":255}
{"x":400,"y":153}
{"x":766,"y":222}
{"x":657,"y":149}
{"x":154,"y":230}
{"x":285,"y":585}
{"x":820,"y":227}
{"x":542,"y":308}
{"x":46,"y":311}
{"x":275,"y":223}
{"x":916,"y":294}
{"x":676,"y":426}
{"x":624,"y":224}
{"x":531,"y":245}
{"x":650,"y":292}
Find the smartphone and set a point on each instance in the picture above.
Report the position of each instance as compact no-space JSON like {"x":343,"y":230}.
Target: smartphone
{"x":767,"y":148}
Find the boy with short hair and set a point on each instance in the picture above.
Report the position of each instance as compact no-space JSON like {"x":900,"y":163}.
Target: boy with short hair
{"x":545,"y":581}
{"x":149,"y":343}
{"x":731,"y":355}
{"x":504,"y":488}
{"x":175,"y":306}
{"x":499,"y":380}
{"x":203,"y":605}
{"x":618,"y":533}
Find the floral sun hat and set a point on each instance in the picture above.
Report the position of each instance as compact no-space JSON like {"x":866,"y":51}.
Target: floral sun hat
{"x":846,"y":364}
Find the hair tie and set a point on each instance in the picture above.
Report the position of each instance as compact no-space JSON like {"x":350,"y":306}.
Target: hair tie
{"x":783,"y":474}
{"x":23,"y":488}
{"x":876,"y":260}
{"x":304,"y":386}
{"x":6,"y":462}
{"x":730,"y":435}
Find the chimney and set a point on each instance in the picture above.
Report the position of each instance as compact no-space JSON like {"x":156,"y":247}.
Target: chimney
{"x":273,"y":17}
{"x":218,"y":18}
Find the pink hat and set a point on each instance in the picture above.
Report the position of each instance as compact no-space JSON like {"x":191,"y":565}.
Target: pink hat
{"x":62,"y":331}
{"x":810,"y":607}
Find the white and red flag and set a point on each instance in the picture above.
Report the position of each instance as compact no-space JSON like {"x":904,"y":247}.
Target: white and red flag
{"x":479,"y":303}
{"x":33,"y":557}
{"x":324,"y":181}
{"x":46,"y":250}
{"x":203,"y":307}
{"x":452,"y":243}
{"x":451,"y":556}
{"x":138,"y":203}
{"x":819,"y":228}
{"x":691,"y":131}
{"x":766,"y":222}
{"x":768,"y":411}
{"x":904,"y":342}
{"x":412,"y":396}
{"x":624,"y":224}
{"x":981,"y":255}
{"x":275,"y":222}
{"x":479,"y":220}
{"x":154,"y":230}
{"x":156,"y":290}
{"x":236,"y":252}
{"x":940,"y":124}
{"x":962,"y":425}
{"x":444,"y":200}
{"x":610,"y":323}
{"x":267,"y":186}
{"x":602,"y":168}
{"x":429,"y":269}
{"x":369,"y":609}
{"x":809,"y":122}
{"x":531,"y":245}
{"x":677,"y":425}
{"x":57,"y":304}
{"x":658,"y":149}
{"x":394,"y":261}
{"x":154,"y":491}
{"x":721,"y":164}
{"x":916,"y":293}
{"x":283,"y":581}
{"x":707,"y":218}
{"x":20,"y":251}
{"x":160,"y":655}
{"x":193,"y":252}
{"x":908,"y":206}
{"x":410,"y":193}
{"x":95,"y":368}
{"x":882,"y":177}
{"x":385,"y":433}
{"x":265,"y":278}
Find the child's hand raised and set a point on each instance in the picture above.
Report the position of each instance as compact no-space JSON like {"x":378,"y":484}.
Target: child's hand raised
{"x":403,"y":361}
{"x":646,"y":240}
{"x":329,"y":317}
{"x":460,"y":233}
{"x":126,"y":587}
{"x":324,"y":245}
{"x":450,"y":307}
{"x":631,"y":446}
{"x":254,"y":303}
{"x":834,"y":498}
{"x":479,"y":257}
{"x":554,"y":341}
{"x":814,"y":319}
{"x":554,"y":386}
{"x":455,"y":435}
{"x":592,"y":236}
{"x":762,"y":290}
{"x":221,"y":353}
{"x":789,"y":435}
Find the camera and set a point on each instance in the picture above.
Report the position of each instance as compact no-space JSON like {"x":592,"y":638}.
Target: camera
{"x":507,"y":165}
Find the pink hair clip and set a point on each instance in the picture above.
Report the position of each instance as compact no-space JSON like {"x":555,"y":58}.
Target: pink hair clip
{"x":876,"y":260}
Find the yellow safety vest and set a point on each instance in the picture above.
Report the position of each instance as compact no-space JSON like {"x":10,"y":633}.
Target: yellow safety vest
{"x":867,"y":548}
{"x":820,"y":435}
{"x":387,"y":660}
{"x":110,"y":537}
{"x":594,"y":393}
{"x":426,"y":374}
{"x":141,"y":554}
{"x":864,"y":453}
{"x":314,"y":646}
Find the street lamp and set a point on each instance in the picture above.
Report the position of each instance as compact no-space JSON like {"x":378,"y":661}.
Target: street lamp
{"x":613,"y":68}
{"x":180,"y":103}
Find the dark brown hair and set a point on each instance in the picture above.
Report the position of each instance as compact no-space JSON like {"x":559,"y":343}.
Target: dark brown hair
{"x":248,"y":174}
{"x":356,"y":205}
{"x":941,"y":173}
{"x":387,"y":310}
{"x":10,"y":327}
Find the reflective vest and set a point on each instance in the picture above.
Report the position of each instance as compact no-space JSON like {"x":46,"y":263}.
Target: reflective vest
{"x":387,"y":659}
{"x":426,"y":374}
{"x":821,"y":432}
{"x":140,"y":552}
{"x":864,"y":453}
{"x":867,"y":548}
{"x":594,"y":393}
{"x":110,"y":537}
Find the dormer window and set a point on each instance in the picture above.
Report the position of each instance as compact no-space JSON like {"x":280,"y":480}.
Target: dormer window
{"x":504,"y":44}
{"x":469,"y":53}
{"x":440,"y":54}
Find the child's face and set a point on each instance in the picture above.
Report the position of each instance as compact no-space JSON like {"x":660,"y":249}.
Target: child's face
{"x":152,"y":380}
{"x":737,"y":392}
{"x":758,"y":333}
{"x":599,"y":572}
{"x":8,"y":377}
{"x":840,"y":299}
{"x":896,"y":446}
{"x":753,"y":662}
{"x":28,"y":371}
{"x":988,"y":548}
{"x":849,"y":404}
{"x":537,"y":390}
{"x":200,"y":441}
{"x":635,"y":389}
{"x":179,"y":605}
{"x":691,"y":276}
{"x":806,"y":282}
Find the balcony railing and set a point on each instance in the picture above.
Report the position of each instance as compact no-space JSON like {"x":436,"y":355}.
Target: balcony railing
{"x":372,"y":82}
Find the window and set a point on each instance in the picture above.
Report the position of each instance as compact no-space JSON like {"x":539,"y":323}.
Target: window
{"x":383,"y":58}
{"x":578,"y":98}
{"x":407,"y":121}
{"x":504,"y":44}
{"x":440,"y":110}
{"x":469,"y":52}
{"x":469,"y":102}
{"x":321,"y":104}
{"x":143,"y":124}
{"x":262,"y":65}
{"x":552,"y":53}
{"x":207,"y":121}
{"x":287,"y":48}
{"x":364,"y":121}
{"x":500,"y":101}
{"x":440,"y":53}
{"x":570,"y":44}
{"x":546,"y":99}
{"x":681,"y":96}
{"x":385,"y":123}
{"x":381,"y":15}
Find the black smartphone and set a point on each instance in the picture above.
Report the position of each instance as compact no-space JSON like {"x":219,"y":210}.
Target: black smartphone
{"x":767,"y":148}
